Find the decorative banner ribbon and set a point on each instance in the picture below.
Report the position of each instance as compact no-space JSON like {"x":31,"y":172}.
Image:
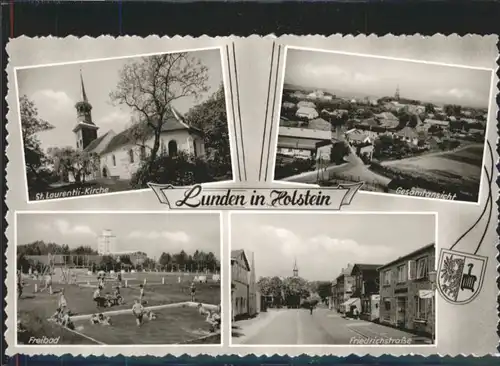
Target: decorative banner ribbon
{"x":460,"y":275}
{"x":235,"y":198}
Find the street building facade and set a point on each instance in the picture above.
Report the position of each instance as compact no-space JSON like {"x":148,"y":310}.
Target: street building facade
{"x":366,"y":288}
{"x":243,"y":285}
{"x":406,"y":293}
{"x":309,"y":142}
{"x":344,"y":289}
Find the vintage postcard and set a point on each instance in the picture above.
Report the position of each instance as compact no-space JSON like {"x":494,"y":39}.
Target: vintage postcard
{"x":87,"y":278}
{"x":334,"y":284}
{"x":399,"y":126}
{"x":253,"y":195}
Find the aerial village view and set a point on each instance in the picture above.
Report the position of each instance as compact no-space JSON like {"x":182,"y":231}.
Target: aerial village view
{"x":377,"y":121}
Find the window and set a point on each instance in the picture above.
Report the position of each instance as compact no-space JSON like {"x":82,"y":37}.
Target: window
{"x":359,"y":283}
{"x":422,"y":269}
{"x":78,"y":144}
{"x":114,"y":160}
{"x":365,"y":306}
{"x":163,"y":147}
{"x":421,"y":306}
{"x":402,"y":273}
{"x":172,"y":148}
{"x":195,"y":149}
{"x":143,"y":152}
{"x":131,"y":156}
{"x":387,"y":303}
{"x":386,"y":280}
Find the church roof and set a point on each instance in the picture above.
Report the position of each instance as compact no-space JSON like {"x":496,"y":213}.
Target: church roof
{"x":95,"y":143}
{"x":173,"y":122}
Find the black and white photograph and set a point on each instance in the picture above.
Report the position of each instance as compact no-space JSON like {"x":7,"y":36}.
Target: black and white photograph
{"x":399,"y":126}
{"x":115,"y":125}
{"x":333,"y":279}
{"x":120,"y":278}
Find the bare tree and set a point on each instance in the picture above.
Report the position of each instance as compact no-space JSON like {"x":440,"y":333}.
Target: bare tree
{"x":150,"y":85}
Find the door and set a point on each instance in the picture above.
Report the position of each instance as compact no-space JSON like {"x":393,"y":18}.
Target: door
{"x":401,"y":312}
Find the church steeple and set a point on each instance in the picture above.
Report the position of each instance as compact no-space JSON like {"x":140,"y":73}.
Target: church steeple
{"x":84,"y":94}
{"x":83,"y":107}
{"x":396,"y":95}
{"x":85,"y":129}
{"x":295,"y":269}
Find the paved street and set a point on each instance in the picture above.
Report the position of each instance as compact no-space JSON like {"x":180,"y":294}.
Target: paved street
{"x":297,"y":326}
{"x":353,"y":167}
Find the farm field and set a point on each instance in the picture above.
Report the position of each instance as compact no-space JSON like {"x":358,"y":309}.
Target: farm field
{"x":455,"y":172}
{"x":462,"y":165}
{"x":35,"y":308}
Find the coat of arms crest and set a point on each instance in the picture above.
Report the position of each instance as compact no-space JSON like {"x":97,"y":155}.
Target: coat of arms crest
{"x":460,"y":276}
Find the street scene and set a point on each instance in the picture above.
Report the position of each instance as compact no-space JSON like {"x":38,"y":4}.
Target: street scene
{"x":88,"y":279}
{"x":115,"y":125}
{"x":297,"y":279}
{"x":353,"y":118}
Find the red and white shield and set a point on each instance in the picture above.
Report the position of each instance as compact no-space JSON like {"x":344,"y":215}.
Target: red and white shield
{"x":460,"y":276}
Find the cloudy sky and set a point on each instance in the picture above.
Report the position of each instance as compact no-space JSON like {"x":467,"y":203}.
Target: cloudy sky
{"x":324,"y":244}
{"x":56,"y":89}
{"x":151,"y":233}
{"x":362,"y":76}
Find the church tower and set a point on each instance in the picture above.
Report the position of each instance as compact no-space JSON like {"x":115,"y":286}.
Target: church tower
{"x":295,"y":269}
{"x":85,"y":130}
{"x":396,"y":95}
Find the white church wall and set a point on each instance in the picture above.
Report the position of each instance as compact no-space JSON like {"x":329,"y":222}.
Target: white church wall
{"x":122,"y":166}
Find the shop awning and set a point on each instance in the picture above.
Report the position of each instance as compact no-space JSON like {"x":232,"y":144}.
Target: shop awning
{"x":351,"y":301}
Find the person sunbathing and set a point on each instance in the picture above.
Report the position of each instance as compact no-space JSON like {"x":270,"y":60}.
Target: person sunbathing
{"x":151,"y":315}
{"x":65,"y":321}
{"x":214,"y":319}
{"x":104,"y":319}
{"x":20,"y":327}
{"x":202,"y":310}
{"x":94,"y":319}
{"x":117,"y":297}
{"x":57,"y":315}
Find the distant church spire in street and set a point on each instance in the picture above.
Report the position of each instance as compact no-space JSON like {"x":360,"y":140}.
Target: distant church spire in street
{"x":295,"y":269}
{"x":396,"y":95}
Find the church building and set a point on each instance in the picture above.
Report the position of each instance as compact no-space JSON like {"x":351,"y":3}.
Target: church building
{"x":119,"y":154}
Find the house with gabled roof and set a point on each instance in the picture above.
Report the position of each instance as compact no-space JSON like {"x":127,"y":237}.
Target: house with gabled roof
{"x":244,"y":295}
{"x":366,"y":289}
{"x":307,"y":112}
{"x":119,"y":154}
{"x":409,"y":135}
{"x":344,"y":285}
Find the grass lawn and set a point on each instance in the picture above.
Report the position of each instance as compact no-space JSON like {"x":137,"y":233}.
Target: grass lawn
{"x":35,"y":308}
{"x":173,"y":325}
